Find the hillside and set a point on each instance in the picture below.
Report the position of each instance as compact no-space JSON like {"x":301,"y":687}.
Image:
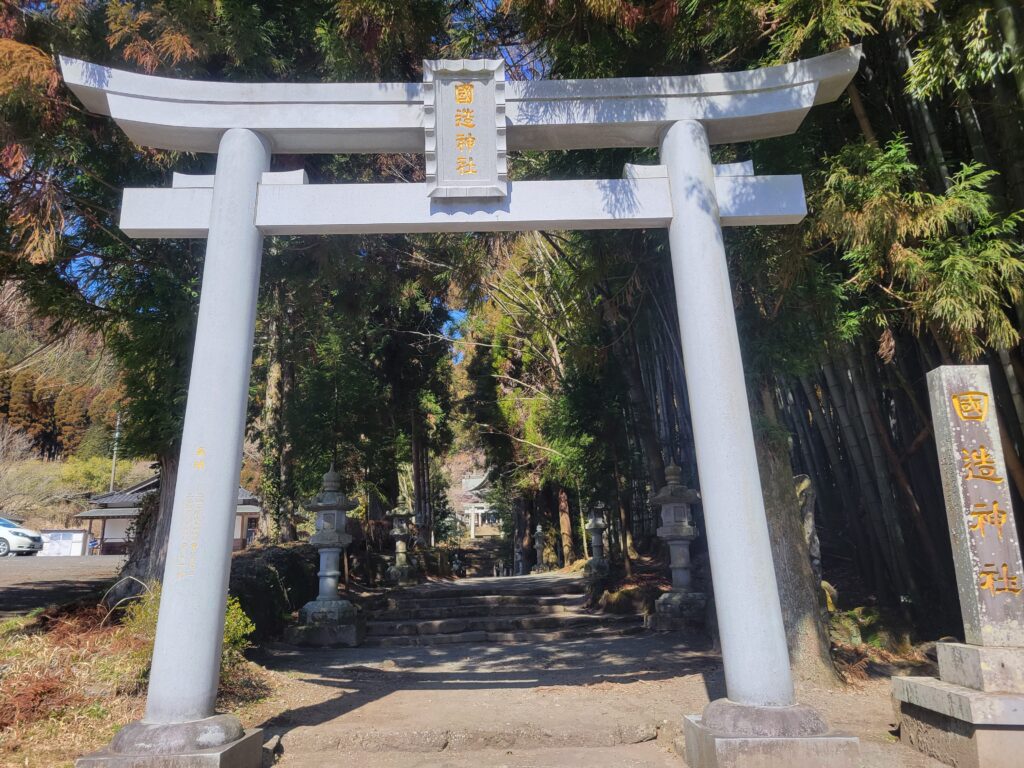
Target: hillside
{"x":58,"y":398}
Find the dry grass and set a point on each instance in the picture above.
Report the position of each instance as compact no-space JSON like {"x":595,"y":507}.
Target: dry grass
{"x":68,"y":681}
{"x":70,"y":677}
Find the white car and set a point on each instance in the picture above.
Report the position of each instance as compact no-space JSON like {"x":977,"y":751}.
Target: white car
{"x":15,"y":540}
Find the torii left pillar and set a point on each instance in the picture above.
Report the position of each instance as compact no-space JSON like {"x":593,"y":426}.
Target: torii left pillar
{"x":180,"y":727}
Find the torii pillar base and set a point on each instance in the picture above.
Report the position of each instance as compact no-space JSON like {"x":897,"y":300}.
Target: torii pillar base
{"x":140,"y":745}
{"x":739,"y":736}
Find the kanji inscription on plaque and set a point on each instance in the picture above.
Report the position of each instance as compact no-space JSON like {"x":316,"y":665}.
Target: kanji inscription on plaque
{"x":464,"y":126}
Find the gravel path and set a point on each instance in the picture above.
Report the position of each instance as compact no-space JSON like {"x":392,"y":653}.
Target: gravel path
{"x":532,"y":704}
{"x":37,"y":582}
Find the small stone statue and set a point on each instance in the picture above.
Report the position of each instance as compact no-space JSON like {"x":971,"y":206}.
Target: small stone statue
{"x":597,"y":566}
{"x":538,"y":543}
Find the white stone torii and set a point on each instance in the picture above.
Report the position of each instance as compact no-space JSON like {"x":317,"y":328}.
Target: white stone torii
{"x":244,"y":124}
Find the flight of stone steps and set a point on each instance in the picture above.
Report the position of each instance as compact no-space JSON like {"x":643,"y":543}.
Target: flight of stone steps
{"x":493,"y":610}
{"x":480,"y":556}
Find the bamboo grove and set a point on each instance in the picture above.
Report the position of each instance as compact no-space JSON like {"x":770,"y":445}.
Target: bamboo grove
{"x":558,"y":355}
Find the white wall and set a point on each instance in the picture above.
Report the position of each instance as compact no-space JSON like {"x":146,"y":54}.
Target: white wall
{"x":116,"y":530}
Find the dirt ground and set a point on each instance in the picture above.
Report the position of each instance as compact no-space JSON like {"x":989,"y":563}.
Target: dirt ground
{"x":37,"y":582}
{"x":615,"y":701}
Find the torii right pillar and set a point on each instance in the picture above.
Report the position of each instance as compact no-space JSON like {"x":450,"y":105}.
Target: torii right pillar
{"x":759,"y":724}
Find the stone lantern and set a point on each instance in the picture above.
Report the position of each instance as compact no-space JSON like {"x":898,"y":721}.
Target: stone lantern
{"x":597,"y":566}
{"x":680,"y":605}
{"x":401,"y":574}
{"x":329,"y":620}
{"x":538,"y":544}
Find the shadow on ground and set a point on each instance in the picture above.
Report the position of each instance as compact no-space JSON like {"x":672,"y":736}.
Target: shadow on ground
{"x":359,"y":678}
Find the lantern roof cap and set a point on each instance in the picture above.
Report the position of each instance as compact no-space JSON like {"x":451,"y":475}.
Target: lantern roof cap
{"x":674,"y":492}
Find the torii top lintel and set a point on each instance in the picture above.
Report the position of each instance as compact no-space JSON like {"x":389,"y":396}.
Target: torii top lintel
{"x":300,"y":118}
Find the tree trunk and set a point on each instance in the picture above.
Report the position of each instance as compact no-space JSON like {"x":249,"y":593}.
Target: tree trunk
{"x":883,"y":553}
{"x":418,"y":507}
{"x":565,"y":526}
{"x":148,"y":553}
{"x":976,"y":138}
{"x":428,"y":493}
{"x":625,"y":350}
{"x":1008,"y":26}
{"x":583,"y":524}
{"x":289,"y":501}
{"x":902,"y":483}
{"x":930,"y":143}
{"x":799,"y":589}
{"x":862,"y":115}
{"x":846,"y":490}
{"x":268,"y":526}
{"x":890,"y":514}
{"x":1005,"y":112}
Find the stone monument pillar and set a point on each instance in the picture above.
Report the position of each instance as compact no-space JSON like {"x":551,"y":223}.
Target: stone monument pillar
{"x":538,"y":545}
{"x":328,"y":620}
{"x":597,"y":566}
{"x":972,"y":716}
{"x":680,"y":606}
{"x":759,"y":722}
{"x":401,"y":574}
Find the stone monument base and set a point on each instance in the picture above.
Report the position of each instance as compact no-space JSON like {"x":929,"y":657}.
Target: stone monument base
{"x":960,"y":726}
{"x":994,"y":669}
{"x":706,"y":749}
{"x":327,"y":635}
{"x":328,"y":624}
{"x":677,"y":610}
{"x":328,"y":612}
{"x":402,"y":576}
{"x":245,"y":752}
{"x":596,"y":568}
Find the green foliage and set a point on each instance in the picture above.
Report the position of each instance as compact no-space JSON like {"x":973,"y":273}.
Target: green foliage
{"x":447,"y":526}
{"x":92,"y":474}
{"x":802,"y":25}
{"x":946,"y":263}
{"x":959,"y":50}
{"x":238,"y":628}
{"x":140,"y":617}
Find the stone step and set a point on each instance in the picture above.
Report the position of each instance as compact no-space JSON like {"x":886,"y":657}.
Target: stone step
{"x":485,"y":623}
{"x":648,"y":754}
{"x":470,"y":611}
{"x":608,"y":626}
{"x":498,"y":587}
{"x":623,"y":625}
{"x":470,"y":600}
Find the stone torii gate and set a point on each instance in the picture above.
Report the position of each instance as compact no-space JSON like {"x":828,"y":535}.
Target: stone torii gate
{"x":463,"y":118}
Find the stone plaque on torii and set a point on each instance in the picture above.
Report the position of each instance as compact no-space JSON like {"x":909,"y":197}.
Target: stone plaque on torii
{"x":467,"y":190}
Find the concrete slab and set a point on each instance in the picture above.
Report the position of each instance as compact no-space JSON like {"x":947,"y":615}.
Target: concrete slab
{"x":993,"y":669}
{"x":956,"y":701}
{"x":247,"y":752}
